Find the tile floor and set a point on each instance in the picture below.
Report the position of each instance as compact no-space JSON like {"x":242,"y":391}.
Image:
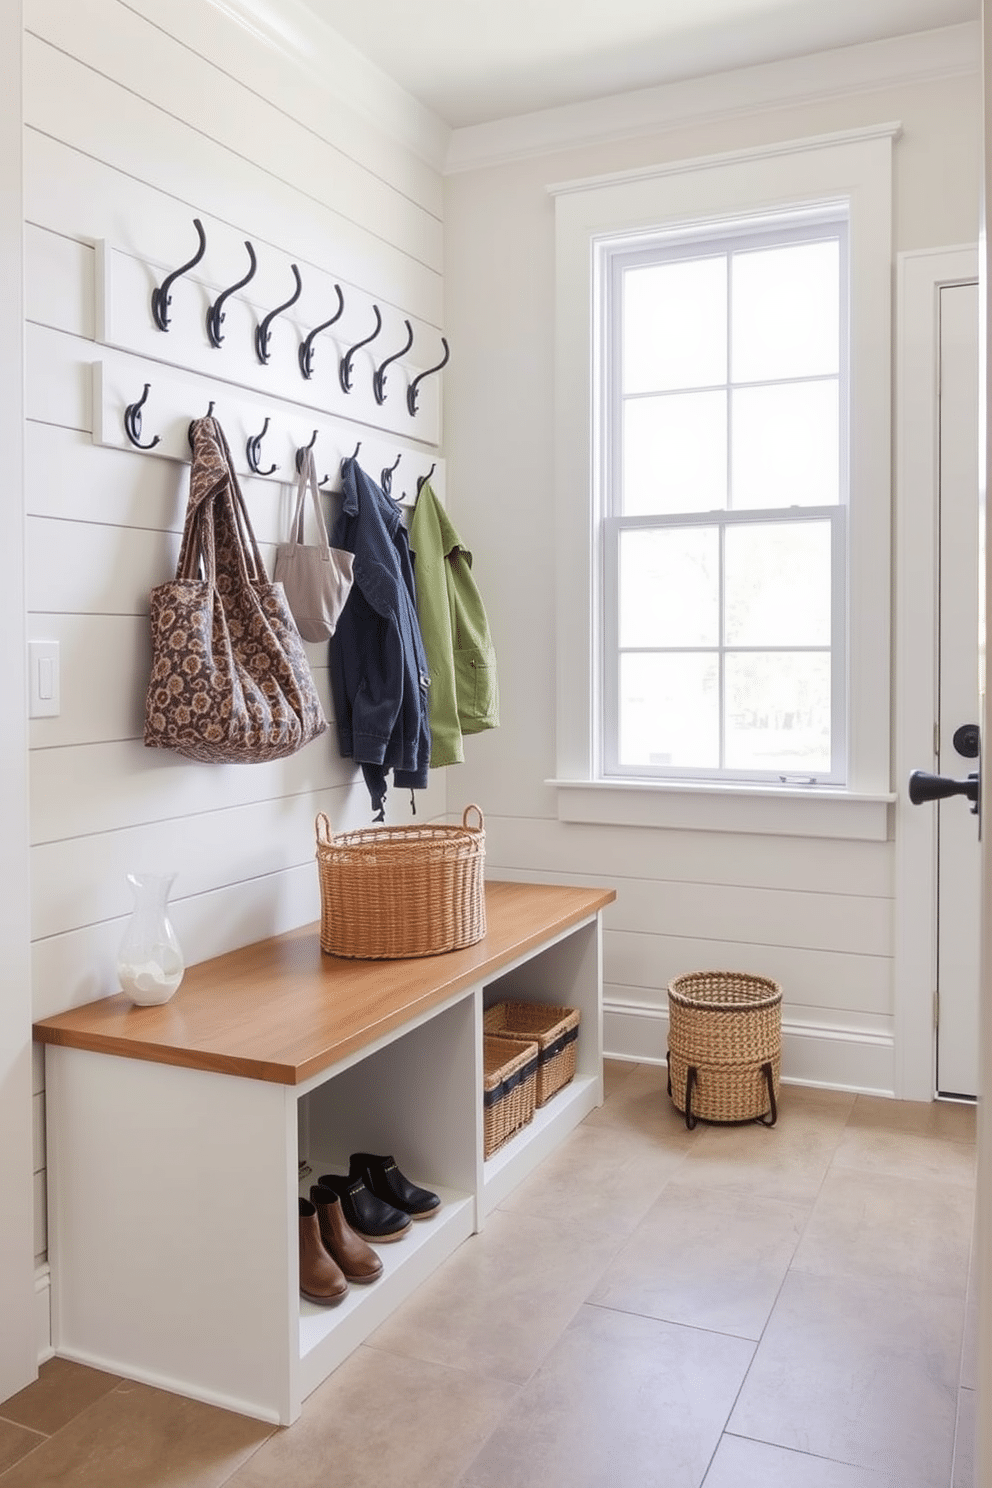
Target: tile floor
{"x":730,"y":1307}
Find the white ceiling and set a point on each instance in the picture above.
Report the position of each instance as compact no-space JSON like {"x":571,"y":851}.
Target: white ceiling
{"x":470,"y":61}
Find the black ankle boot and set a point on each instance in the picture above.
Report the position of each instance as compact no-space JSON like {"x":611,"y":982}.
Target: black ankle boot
{"x":369,"y":1216}
{"x":384,"y":1179}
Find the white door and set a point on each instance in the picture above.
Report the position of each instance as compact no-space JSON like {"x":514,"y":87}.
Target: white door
{"x":958,"y":854}
{"x":983,"y":1248}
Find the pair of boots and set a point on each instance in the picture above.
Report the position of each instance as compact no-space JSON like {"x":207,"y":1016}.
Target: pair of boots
{"x":373,"y":1202}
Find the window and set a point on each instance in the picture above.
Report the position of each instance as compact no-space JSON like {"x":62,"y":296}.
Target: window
{"x":723,"y":491}
{"x":724,"y":416}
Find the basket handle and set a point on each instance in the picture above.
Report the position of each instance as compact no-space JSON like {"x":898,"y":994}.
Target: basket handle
{"x":325,"y":836}
{"x":482,"y":820}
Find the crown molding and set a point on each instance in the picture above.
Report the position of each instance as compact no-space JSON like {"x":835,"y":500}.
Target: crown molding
{"x":330,"y":62}
{"x":925,"y":56}
{"x":774,"y":149}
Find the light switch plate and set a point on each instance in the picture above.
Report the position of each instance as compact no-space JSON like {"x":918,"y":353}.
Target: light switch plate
{"x":43,"y":679}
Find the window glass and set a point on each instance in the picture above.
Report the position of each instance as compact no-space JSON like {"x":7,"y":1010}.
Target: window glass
{"x":785,"y":445}
{"x":778,"y":584}
{"x":784,"y":321}
{"x":778,"y":711}
{"x":675,"y":325}
{"x":675,"y":453}
{"x":670,"y":710}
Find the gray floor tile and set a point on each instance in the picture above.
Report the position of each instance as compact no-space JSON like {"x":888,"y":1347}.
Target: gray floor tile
{"x":740,"y":1463}
{"x":906,"y":1154}
{"x":707,"y":1259}
{"x":601,"y":1178}
{"x":864,"y":1372}
{"x":382,"y":1420}
{"x":501,"y":1301}
{"x":877,"y":1226}
{"x":620,"y":1399}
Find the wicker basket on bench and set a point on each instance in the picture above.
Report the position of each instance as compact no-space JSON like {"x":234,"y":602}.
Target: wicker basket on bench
{"x":724,"y":1046}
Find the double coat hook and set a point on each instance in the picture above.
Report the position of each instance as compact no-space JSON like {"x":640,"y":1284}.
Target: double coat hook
{"x":262,"y":333}
{"x":306,"y":347}
{"x":253,"y":451}
{"x":346,"y":360}
{"x":387,"y":475}
{"x":161,"y":295}
{"x":215,"y":315}
{"x":411,"y":392}
{"x":379,"y":375}
{"x":132,"y":421}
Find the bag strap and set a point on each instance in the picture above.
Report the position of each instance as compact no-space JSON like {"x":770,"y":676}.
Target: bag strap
{"x":217,"y":532}
{"x":308,"y":482}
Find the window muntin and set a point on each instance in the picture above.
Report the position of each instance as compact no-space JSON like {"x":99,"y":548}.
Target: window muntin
{"x":725,"y":570}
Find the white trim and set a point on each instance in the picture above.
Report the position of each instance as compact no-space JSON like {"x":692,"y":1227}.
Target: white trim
{"x":858,"y":169}
{"x":776,"y":150}
{"x":43,"y":1312}
{"x":920,"y":276}
{"x":831,"y":1056}
{"x":928,"y":56}
{"x":820,"y":811}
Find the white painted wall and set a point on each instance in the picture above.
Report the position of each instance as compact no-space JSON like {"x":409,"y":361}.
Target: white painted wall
{"x":18,"y":1352}
{"x":138,"y":118}
{"x":818,"y":914}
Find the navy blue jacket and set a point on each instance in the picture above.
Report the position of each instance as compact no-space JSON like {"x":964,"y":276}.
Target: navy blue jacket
{"x":379,"y":673}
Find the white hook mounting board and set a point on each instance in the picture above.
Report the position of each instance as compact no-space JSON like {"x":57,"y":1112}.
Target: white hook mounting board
{"x":175,"y":398}
{"x":124,"y":320}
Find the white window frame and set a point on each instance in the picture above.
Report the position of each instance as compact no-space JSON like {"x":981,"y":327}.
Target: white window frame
{"x":613,"y":258}
{"x":853,"y":169}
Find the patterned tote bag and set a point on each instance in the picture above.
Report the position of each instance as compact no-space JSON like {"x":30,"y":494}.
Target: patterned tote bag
{"x":230,"y":682}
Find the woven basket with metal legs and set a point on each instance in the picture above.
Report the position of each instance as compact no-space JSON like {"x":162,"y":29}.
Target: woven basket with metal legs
{"x":724,"y":1046}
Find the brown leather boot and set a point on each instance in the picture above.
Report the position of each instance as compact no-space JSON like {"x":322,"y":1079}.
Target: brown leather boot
{"x":357,"y":1260}
{"x":321,"y":1278}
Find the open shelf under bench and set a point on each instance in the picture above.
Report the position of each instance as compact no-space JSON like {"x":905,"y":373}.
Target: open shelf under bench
{"x":175,"y":1135}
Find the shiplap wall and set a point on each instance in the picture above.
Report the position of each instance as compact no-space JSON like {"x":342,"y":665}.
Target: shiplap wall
{"x":139,"y":117}
{"x":817,"y":914}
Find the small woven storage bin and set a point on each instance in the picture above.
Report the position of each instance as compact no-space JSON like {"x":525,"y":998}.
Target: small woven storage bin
{"x":508,"y":1088}
{"x":556,"y":1030}
{"x":724,"y":1046}
{"x":392,"y":892}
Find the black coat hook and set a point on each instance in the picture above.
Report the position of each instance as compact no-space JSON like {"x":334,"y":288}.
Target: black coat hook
{"x":387,"y":474}
{"x":262,"y":334}
{"x":306,"y":347}
{"x":253,"y":450}
{"x":215,"y":315}
{"x":423,"y":479}
{"x":132,"y":422}
{"x":345,"y":368}
{"x":355,"y":455}
{"x":300,"y":451}
{"x":161,"y":296}
{"x":209,"y":414}
{"x":379,"y":375}
{"x":411,"y":392}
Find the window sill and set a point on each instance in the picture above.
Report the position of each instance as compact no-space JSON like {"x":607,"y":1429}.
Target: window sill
{"x":786,"y":811}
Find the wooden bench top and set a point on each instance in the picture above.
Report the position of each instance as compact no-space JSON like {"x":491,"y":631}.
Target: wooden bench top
{"x":280,"y":1010}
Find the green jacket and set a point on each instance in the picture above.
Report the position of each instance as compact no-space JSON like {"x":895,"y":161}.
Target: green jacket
{"x":463,"y":697}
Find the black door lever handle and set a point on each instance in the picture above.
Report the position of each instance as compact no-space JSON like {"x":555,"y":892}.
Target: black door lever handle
{"x":926,"y":787}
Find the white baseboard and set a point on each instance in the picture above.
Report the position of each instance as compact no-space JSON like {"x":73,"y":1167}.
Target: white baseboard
{"x":833,"y":1056}
{"x":43,"y":1312}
